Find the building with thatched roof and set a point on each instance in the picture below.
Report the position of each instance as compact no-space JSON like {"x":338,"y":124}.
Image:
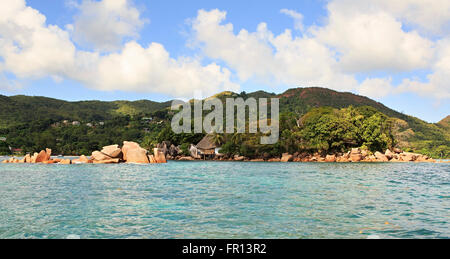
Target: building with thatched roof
{"x":206,"y":147}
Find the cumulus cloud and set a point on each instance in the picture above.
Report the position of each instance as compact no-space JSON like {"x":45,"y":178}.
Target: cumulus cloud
{"x":376,"y":87}
{"x":105,"y":24}
{"x":371,"y":39}
{"x":436,"y":84}
{"x":270,"y":59}
{"x":430,"y":16}
{"x":370,"y":36}
{"x":298,"y":18}
{"x":358,"y":38}
{"x":151,"y":69}
{"x":29,"y":48}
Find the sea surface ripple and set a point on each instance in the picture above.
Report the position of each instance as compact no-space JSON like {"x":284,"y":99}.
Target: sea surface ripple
{"x":225,"y":200}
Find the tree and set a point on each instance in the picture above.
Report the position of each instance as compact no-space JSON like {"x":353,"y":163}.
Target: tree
{"x":328,"y":129}
{"x":229,"y":148}
{"x":217,"y":138}
{"x":236,"y":138}
{"x":4,"y":148}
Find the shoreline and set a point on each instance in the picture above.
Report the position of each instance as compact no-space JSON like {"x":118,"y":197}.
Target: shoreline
{"x":437,"y":161}
{"x":132,"y":153}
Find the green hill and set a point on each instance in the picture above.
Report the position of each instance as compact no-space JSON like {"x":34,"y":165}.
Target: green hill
{"x":411,"y":133}
{"x":301,"y":100}
{"x":445,"y":123}
{"x":20,"y":109}
{"x":26,"y":120}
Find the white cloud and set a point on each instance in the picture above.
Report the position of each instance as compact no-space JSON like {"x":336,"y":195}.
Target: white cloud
{"x":266,"y":58}
{"x":298,"y":18}
{"x":151,"y":69}
{"x":370,"y":39}
{"x":431,"y":16}
{"x":370,"y":36}
{"x":105,"y":24}
{"x":437,"y":84}
{"x":376,"y":87}
{"x":427,"y":16}
{"x":242,"y":52}
{"x":358,"y":38}
{"x":29,"y":48}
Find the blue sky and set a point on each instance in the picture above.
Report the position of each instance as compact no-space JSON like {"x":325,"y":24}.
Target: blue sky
{"x":158,"y":50}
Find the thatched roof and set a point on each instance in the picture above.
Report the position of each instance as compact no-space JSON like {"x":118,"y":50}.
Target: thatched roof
{"x":206,"y":143}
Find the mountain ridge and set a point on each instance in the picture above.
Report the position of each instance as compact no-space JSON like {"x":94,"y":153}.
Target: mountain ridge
{"x":306,"y":94}
{"x":445,"y":122}
{"x":21,"y":111}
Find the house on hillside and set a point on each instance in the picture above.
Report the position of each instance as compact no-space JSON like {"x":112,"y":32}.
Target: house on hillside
{"x":3,"y":139}
{"x":207,"y":149}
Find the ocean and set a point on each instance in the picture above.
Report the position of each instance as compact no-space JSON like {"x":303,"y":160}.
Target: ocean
{"x":225,"y":200}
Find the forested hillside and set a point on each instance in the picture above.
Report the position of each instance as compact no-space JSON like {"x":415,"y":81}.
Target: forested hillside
{"x":312,"y":119}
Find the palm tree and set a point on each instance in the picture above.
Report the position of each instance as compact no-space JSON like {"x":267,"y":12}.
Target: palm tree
{"x":217,"y":138}
{"x":236,"y":138}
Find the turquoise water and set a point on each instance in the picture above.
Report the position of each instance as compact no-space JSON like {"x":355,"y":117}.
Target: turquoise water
{"x":225,"y":200}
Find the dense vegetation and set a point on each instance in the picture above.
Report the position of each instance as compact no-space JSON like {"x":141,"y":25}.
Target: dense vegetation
{"x":331,"y":129}
{"x":79,"y":139}
{"x":4,"y":148}
{"x":324,"y":129}
{"x":312,"y":120}
{"x":20,"y":109}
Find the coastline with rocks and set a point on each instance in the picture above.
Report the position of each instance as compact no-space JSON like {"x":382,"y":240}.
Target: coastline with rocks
{"x":130,"y":152}
{"x":356,"y":155}
{"x":133,"y":153}
{"x":212,"y":152}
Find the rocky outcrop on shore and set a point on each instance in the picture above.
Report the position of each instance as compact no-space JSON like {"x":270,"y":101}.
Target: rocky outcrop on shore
{"x":133,"y":153}
{"x":287,"y":158}
{"x":112,"y":151}
{"x":159,"y":156}
{"x":130,"y":152}
{"x":43,"y":157}
{"x":82,"y":160}
{"x":186,"y":158}
{"x":355,"y":155}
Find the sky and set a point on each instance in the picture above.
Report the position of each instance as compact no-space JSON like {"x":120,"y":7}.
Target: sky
{"x":396,"y":52}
